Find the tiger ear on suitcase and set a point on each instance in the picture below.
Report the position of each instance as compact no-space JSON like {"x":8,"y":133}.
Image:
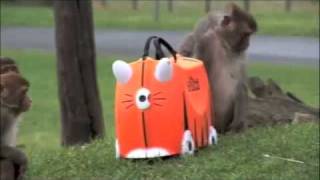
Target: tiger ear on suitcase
{"x":164,"y":70}
{"x":122,"y":71}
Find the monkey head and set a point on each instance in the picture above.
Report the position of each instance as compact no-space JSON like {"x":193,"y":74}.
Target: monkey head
{"x":13,"y":94}
{"x":235,"y":27}
{"x":8,"y":65}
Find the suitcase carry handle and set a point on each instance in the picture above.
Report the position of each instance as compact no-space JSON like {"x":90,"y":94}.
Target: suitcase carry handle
{"x":158,"y":41}
{"x":159,"y":51}
{"x":147,"y":47}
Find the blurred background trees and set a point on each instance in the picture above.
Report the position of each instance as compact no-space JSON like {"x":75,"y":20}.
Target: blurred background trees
{"x":287,"y":4}
{"x":281,"y":17}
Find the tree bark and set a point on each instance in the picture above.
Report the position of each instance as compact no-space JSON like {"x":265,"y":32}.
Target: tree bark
{"x":81,"y":113}
{"x":269,"y":105}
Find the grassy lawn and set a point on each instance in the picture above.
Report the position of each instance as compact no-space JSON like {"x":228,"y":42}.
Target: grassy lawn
{"x":235,"y":157}
{"x":303,"y":20}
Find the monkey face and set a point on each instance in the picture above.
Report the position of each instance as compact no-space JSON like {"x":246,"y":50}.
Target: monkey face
{"x":8,"y":68}
{"x":244,"y":32}
{"x":237,"y":27}
{"x":14,"y":90}
{"x":236,"y":35}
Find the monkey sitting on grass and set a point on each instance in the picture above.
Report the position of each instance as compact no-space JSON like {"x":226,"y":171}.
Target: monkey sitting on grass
{"x":13,"y":101}
{"x":220,"y":40}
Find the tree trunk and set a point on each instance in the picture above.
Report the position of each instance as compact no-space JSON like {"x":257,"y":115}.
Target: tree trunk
{"x":104,"y":3}
{"x":170,"y":6}
{"x":157,"y":10}
{"x":135,"y":4}
{"x":247,"y":5}
{"x":81,"y":114}
{"x":269,"y":105}
{"x":288,"y":5}
{"x":207,"y":6}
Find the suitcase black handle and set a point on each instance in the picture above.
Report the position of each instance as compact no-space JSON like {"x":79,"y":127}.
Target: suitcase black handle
{"x":158,"y":41}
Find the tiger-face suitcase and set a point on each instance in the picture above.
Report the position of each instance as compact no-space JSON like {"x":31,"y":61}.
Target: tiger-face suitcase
{"x":162,"y":107}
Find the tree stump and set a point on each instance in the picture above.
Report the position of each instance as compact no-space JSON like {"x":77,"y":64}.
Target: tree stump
{"x":270,"y":105}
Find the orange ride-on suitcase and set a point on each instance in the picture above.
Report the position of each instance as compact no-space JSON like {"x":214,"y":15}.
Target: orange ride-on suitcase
{"x":162,"y":105}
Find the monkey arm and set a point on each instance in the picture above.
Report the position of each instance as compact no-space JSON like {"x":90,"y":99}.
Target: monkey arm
{"x":205,"y":49}
{"x":187,"y":46}
{"x":240,"y":109}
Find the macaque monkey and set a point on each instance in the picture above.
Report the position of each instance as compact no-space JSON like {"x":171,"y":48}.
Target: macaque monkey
{"x":220,"y":40}
{"x":13,"y":101}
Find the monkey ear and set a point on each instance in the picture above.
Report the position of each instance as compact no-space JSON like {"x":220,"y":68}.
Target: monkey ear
{"x":164,"y":70}
{"x":122,"y":71}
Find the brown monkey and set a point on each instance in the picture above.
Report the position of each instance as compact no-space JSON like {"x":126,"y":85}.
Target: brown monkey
{"x":220,"y":40}
{"x":14,"y":101}
{"x":7,"y":65}
{"x":212,"y":21}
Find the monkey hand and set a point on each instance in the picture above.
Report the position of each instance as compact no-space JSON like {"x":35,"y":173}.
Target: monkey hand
{"x":187,"y":46}
{"x":237,"y":127}
{"x":21,"y":172}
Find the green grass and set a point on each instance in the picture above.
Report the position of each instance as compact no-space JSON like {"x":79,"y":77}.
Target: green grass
{"x":271,"y":17}
{"x":235,"y":157}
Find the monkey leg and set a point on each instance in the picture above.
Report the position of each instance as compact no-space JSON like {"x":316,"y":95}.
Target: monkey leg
{"x":14,"y":154}
{"x":220,"y":123}
{"x":7,"y":170}
{"x":17,"y":158}
{"x":187,"y":46}
{"x":240,"y":109}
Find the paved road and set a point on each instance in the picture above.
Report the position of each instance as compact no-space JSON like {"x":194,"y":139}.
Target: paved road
{"x":130,"y":43}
